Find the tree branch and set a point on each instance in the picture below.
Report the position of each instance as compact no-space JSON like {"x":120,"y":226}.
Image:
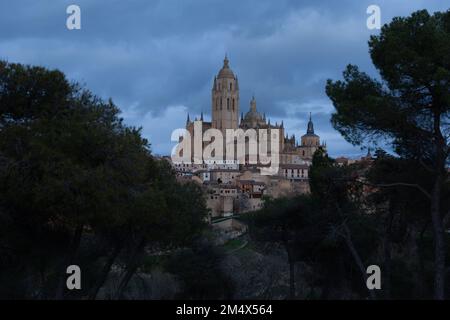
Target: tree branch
{"x":397,"y":184}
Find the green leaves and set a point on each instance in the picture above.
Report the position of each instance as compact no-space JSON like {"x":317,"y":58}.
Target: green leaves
{"x":412,"y":55}
{"x":27,"y":92}
{"x":67,"y":160}
{"x":411,"y":52}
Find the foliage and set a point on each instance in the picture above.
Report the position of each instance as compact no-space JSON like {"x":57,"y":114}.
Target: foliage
{"x":77,"y":186}
{"x":409,"y":108}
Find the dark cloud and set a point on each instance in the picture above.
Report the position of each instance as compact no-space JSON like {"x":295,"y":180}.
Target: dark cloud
{"x":157,"y":58}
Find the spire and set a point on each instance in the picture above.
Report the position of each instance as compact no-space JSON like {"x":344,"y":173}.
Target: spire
{"x":264,"y":116}
{"x":253,"y":104}
{"x":242,"y":117}
{"x":282,"y":124}
{"x":310,"y":126}
{"x":225,"y":61}
{"x":188,"y":120}
{"x":226,"y":71}
{"x":201,"y":116}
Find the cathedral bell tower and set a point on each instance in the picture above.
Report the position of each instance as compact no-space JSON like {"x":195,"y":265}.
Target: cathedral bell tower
{"x":225,"y":99}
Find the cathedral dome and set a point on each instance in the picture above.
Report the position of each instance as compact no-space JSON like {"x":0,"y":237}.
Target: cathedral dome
{"x":225,"y":72}
{"x":252,"y":114}
{"x":253,"y":117}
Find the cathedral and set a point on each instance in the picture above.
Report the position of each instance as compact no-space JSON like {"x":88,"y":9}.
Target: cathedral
{"x":234,"y":187}
{"x":225,"y":110}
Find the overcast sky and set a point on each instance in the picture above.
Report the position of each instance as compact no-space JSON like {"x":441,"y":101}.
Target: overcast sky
{"x":157,"y":58}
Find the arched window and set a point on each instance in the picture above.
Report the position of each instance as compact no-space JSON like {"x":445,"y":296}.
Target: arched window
{"x":220,"y":104}
{"x":233,"y":104}
{"x":228,"y":103}
{"x":231,"y":86}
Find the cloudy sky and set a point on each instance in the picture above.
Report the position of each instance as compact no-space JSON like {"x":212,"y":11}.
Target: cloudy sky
{"x":156,"y":58}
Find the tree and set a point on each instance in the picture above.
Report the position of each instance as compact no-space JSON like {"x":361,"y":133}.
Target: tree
{"x":166,"y":216}
{"x":409,"y":106}
{"x":278,"y":222}
{"x":69,"y":166}
{"x":343,"y":215}
{"x":404,"y":225}
{"x":78,"y":186}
